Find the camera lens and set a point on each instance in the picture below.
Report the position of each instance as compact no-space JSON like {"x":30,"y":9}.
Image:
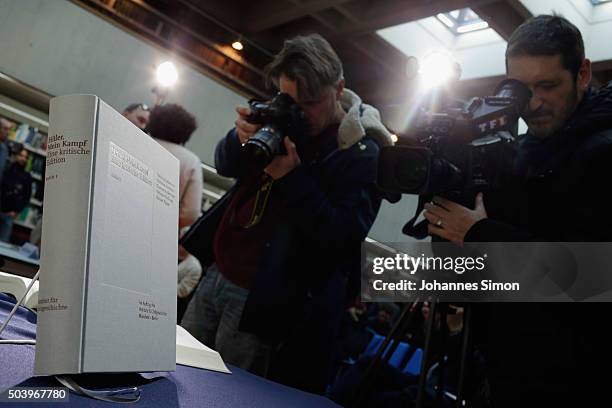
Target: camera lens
{"x":262,"y":147}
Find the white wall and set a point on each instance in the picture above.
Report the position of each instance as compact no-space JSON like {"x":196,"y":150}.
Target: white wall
{"x":594,"y":22}
{"x":480,"y":53}
{"x":61,"y":48}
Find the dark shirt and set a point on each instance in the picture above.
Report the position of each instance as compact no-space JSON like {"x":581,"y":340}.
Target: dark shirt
{"x":16,"y":188}
{"x":4,"y":154}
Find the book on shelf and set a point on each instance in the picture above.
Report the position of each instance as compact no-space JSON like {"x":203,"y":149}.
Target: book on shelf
{"x":38,"y":143}
{"x":38,"y":164}
{"x":35,"y":152}
{"x":21,"y":133}
{"x":28,"y":216}
{"x":29,"y":137}
{"x":107,"y":300}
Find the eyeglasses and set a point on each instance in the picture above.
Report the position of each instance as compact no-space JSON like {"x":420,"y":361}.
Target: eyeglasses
{"x":135,"y":106}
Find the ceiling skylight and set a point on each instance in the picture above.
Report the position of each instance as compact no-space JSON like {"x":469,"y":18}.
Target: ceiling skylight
{"x":462,"y":21}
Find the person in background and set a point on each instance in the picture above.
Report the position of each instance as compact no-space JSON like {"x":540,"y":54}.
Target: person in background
{"x":5,"y":127}
{"x":288,"y":240}
{"x":138,"y":114}
{"x":547,"y":354}
{"x":189,"y":274}
{"x":15,"y":193}
{"x":171,"y":125}
{"x":383,"y":321}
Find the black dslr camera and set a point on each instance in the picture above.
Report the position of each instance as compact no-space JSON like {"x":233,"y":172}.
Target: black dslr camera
{"x":458,"y":151}
{"x":279,"y":118}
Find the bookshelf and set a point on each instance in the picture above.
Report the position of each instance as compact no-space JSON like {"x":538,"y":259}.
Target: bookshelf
{"x":30,"y":131}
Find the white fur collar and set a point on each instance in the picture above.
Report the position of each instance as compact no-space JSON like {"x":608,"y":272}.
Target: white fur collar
{"x":360,"y":120}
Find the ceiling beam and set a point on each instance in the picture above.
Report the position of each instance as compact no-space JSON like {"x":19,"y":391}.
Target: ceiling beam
{"x":503,"y":16}
{"x":272,"y":15}
{"x":372,"y":16}
{"x":227,"y":12}
{"x":602,"y":72}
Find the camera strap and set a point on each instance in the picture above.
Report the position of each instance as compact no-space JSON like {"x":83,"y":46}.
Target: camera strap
{"x":259,"y":206}
{"x":414,"y":229}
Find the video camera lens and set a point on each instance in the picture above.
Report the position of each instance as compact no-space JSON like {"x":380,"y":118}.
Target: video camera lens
{"x":416,"y":170}
{"x":411,"y":172}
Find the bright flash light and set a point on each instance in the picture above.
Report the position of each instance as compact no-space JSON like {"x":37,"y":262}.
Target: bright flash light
{"x":394,"y":138}
{"x":436,"y":69}
{"x":166,"y":74}
{"x":237,"y":45}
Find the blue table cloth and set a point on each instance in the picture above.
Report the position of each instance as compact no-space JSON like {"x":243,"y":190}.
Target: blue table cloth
{"x":186,"y":387}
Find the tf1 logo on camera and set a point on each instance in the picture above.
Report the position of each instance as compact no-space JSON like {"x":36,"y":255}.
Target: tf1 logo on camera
{"x":493,"y":124}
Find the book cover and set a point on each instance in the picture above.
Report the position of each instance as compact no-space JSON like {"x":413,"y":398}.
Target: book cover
{"x":107,"y":300}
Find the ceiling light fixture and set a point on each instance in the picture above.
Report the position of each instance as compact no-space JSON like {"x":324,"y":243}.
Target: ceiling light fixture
{"x":166,"y":74}
{"x":237,"y":45}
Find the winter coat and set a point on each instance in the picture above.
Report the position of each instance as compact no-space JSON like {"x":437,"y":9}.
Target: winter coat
{"x":545,"y":354}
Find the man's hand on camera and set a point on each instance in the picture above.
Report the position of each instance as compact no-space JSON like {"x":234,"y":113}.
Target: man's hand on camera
{"x":244,"y":129}
{"x":451,"y":221}
{"x":282,"y":165}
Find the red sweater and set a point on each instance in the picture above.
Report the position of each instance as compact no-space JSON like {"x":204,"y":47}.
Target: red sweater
{"x":239,"y":249}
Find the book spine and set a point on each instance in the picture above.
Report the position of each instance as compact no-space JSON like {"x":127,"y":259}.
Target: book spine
{"x":65,"y":236}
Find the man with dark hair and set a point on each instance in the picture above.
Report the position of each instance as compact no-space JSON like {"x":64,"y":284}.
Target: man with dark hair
{"x":286,"y":240}
{"x":546,"y":354}
{"x":138,"y":114}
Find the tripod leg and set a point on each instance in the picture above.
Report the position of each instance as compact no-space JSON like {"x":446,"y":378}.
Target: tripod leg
{"x":467,"y":317}
{"x":443,"y":349}
{"x":394,"y":336}
{"x":426,"y":351}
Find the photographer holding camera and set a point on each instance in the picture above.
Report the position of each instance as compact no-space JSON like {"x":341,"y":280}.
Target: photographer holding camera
{"x":545,"y":354}
{"x":286,"y":240}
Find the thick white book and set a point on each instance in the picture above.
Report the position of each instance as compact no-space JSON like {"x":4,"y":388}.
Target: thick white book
{"x":107,"y":300}
{"x":190,"y":352}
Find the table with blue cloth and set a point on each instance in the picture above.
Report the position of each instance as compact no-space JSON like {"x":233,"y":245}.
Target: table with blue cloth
{"x":186,"y":387}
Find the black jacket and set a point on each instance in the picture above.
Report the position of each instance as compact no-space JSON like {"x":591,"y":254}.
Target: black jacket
{"x":546,"y":353}
{"x":331,"y":203}
{"x":16,"y":188}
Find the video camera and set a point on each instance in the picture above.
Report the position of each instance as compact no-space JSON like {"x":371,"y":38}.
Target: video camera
{"x":279,"y":118}
{"x":459,"y":150}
